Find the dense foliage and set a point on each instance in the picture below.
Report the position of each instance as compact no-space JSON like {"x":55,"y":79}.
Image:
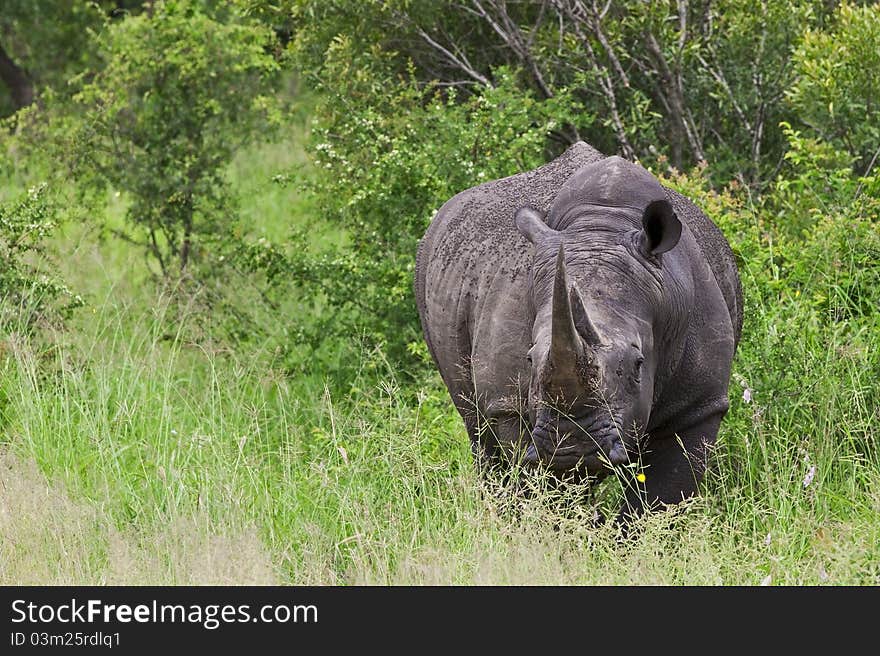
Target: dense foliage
{"x":42,"y":45}
{"x":31,"y":293}
{"x":178,"y":94}
{"x":387,"y":168}
{"x":688,"y":81}
{"x":420,"y":102}
{"x":836,"y":89}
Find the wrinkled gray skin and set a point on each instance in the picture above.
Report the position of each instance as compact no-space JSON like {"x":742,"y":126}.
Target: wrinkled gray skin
{"x":583,"y":316}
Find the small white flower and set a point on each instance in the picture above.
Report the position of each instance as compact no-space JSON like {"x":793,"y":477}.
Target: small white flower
{"x":811,"y":473}
{"x":747,"y":395}
{"x":767,"y":540}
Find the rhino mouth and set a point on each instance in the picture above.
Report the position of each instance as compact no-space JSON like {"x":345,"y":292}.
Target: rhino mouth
{"x":565,"y":444}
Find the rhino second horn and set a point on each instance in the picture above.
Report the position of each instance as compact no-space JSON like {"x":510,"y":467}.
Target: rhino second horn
{"x":582,"y":321}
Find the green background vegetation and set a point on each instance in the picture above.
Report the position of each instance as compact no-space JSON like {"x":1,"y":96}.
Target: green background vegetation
{"x":211,"y":369}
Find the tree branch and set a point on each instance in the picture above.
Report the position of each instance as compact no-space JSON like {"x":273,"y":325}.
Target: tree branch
{"x":583,"y":19}
{"x":461,"y":62}
{"x":671,"y":86}
{"x":599,"y":33}
{"x":506,"y":28}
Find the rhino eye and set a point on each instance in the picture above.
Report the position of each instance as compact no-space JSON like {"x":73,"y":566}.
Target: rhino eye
{"x":639,"y":362}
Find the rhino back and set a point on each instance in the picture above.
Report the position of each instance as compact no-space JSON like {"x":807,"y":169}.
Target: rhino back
{"x":472,"y":254}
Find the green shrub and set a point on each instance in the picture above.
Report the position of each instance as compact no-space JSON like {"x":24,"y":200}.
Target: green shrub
{"x":179,"y":93}
{"x":388,"y":153}
{"x":31,"y":296}
{"x":47,"y":42}
{"x":837,"y":91}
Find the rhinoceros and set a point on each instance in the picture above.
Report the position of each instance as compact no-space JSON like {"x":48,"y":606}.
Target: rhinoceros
{"x":584,"y":319}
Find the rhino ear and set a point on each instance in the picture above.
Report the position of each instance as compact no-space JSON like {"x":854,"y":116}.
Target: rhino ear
{"x":661,"y":228}
{"x":530,"y":223}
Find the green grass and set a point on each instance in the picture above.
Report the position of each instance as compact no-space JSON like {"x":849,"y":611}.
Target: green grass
{"x":138,"y":434}
{"x":131,"y":453}
{"x":176,"y":464}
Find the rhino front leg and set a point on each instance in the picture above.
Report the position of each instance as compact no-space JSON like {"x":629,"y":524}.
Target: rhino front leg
{"x":484,"y":446}
{"x":497,"y":443}
{"x":482,"y":433}
{"x":673,"y":467}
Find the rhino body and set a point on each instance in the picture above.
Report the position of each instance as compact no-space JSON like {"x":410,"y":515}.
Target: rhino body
{"x":583,"y":316}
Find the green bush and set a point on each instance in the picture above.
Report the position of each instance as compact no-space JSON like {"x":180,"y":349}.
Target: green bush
{"x":837,"y":91}
{"x":179,"y":93}
{"x":31,"y":296}
{"x":47,"y":42}
{"x":388,"y":153}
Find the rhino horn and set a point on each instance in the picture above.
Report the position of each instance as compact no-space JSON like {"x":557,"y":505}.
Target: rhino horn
{"x":565,"y":344}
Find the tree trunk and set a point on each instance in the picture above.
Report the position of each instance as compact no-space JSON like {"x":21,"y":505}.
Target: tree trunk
{"x":16,"y":80}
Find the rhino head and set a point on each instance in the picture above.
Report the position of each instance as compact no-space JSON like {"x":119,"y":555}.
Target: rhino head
{"x":600,"y":316}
